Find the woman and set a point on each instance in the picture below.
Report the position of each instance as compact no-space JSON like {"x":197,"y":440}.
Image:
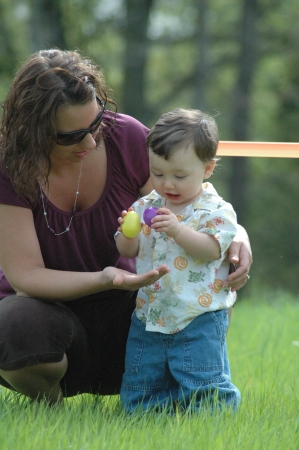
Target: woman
{"x":68,"y":167}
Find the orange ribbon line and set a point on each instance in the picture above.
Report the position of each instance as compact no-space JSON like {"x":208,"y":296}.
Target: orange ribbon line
{"x":259,"y":149}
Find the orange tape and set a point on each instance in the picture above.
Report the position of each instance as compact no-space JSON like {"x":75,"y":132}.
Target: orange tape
{"x":259,"y":149}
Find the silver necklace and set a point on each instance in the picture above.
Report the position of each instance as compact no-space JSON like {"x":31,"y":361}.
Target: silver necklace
{"x":73,"y":210}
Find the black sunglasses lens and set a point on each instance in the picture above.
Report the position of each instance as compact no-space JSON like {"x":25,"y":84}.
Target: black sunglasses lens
{"x":70,"y":139}
{"x":77,"y":136}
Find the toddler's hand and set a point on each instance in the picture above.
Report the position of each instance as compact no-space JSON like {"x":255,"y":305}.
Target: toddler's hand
{"x":166,"y":222}
{"x":121,"y":219}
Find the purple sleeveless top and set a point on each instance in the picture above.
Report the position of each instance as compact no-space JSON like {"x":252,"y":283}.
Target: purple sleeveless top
{"x":89,"y":246}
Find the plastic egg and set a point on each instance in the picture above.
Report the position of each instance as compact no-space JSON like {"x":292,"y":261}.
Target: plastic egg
{"x":131,"y":225}
{"x":149,"y":214}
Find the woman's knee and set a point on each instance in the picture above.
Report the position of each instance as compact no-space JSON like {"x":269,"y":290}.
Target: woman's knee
{"x":33,"y":332}
{"x":38,"y":381}
{"x":52,"y":372}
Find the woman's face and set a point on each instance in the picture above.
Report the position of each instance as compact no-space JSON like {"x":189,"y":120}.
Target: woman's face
{"x":73,"y":118}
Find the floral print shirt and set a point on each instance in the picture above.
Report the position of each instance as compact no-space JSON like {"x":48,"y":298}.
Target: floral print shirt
{"x":192,"y":286}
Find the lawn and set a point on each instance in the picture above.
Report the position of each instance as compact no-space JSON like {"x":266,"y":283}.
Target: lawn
{"x":263,"y":343}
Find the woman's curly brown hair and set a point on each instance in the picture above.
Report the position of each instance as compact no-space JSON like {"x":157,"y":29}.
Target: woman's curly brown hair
{"x":48,"y":80}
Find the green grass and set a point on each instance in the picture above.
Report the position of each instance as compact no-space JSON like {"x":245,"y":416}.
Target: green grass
{"x":265,"y":366}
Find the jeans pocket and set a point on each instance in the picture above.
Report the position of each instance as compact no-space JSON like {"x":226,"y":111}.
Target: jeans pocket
{"x":204,"y":344}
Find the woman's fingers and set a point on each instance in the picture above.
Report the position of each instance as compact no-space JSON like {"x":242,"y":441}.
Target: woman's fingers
{"x":130,"y":281}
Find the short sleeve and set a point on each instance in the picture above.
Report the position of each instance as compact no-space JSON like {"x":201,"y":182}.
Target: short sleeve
{"x":8,"y":195}
{"x":128,"y":137}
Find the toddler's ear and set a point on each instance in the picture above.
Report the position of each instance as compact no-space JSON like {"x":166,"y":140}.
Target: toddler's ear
{"x":210,"y":166}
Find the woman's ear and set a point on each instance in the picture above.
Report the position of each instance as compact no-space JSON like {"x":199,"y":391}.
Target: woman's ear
{"x":210,"y":166}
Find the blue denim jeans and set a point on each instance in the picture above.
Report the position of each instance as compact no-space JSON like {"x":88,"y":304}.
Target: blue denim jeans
{"x":189,"y":368}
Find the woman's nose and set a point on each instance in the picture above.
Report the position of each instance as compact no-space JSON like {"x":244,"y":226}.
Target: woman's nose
{"x":88,"y":141}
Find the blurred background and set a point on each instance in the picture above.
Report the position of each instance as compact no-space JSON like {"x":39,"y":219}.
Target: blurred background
{"x":237,"y":60}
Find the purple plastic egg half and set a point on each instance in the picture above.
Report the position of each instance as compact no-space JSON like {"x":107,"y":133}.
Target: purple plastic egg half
{"x":149,"y":214}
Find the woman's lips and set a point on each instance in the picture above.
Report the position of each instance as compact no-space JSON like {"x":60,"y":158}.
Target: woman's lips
{"x":82,"y":154}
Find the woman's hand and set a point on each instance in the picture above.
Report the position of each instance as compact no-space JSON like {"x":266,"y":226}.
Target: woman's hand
{"x":239,"y":254}
{"x":121,"y":279}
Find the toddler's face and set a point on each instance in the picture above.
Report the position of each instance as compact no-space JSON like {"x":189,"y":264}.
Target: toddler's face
{"x":179,"y":179}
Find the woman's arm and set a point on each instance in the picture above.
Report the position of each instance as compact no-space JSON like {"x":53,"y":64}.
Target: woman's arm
{"x":240,"y":254}
{"x":23,"y":265}
{"x":146,"y":189}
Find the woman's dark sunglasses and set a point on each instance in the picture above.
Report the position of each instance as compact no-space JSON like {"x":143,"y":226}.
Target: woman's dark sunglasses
{"x":74,"y":137}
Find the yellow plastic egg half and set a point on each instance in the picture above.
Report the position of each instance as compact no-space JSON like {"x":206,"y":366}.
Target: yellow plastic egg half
{"x":131,"y":226}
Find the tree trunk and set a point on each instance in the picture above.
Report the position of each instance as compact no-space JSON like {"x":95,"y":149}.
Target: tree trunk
{"x":135,"y":58}
{"x":202,"y":66}
{"x":241,"y":105}
{"x":47,"y":30}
